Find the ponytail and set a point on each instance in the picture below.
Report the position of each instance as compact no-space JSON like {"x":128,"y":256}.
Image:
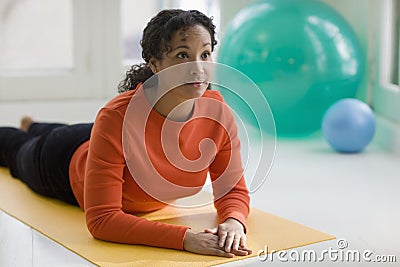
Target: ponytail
{"x":138,"y":73}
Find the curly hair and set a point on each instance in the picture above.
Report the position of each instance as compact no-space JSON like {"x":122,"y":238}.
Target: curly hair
{"x":156,"y":37}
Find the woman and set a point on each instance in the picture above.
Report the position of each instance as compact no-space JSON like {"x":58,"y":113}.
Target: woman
{"x":61,"y":161}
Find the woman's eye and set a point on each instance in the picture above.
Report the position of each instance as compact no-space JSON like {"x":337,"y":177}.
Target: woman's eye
{"x":182,"y":55}
{"x":206,"y":55}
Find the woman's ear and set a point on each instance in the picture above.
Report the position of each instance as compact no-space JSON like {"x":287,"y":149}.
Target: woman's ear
{"x":153,"y":65}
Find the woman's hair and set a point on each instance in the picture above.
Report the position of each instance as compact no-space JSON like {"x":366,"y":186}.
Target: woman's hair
{"x":156,"y":37}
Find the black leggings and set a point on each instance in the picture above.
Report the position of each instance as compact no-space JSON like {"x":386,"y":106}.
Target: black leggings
{"x":40,"y":158}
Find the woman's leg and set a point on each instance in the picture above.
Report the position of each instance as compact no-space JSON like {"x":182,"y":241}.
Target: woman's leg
{"x":37,"y":128}
{"x":44,"y":161}
{"x":11,"y":140}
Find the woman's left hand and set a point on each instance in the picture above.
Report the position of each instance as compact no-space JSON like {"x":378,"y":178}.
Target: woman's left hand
{"x":231,"y":237}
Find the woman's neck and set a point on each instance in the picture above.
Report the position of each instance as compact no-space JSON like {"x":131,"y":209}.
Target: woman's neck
{"x":180,"y":111}
{"x":172,"y":107}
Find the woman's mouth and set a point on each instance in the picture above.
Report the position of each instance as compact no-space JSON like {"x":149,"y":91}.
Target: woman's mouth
{"x":196,"y":84}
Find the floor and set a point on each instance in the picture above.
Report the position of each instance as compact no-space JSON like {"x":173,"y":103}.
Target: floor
{"x":352,"y":196}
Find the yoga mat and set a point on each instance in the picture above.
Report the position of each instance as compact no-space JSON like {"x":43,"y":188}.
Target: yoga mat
{"x":66,"y":225}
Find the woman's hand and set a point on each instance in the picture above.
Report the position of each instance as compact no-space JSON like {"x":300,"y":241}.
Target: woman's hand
{"x":231,"y":237}
{"x":204,"y":243}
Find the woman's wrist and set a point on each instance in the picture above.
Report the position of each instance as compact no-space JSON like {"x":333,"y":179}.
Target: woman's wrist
{"x":187,"y":238}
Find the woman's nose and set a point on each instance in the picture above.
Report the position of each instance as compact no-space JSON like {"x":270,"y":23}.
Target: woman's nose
{"x":196,"y":68}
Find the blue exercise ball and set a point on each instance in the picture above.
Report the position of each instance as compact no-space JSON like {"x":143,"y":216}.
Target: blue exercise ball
{"x":348,"y":125}
{"x":302,"y":54}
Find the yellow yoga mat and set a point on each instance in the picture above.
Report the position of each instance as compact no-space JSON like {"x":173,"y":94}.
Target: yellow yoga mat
{"x":66,"y":225}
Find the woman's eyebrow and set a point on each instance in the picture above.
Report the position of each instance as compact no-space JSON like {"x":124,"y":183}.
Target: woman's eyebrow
{"x":181,"y":46}
{"x":187,"y":47}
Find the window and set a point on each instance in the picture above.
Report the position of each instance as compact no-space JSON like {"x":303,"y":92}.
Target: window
{"x":386,"y":44}
{"x":133,"y":21}
{"x":390,"y":44}
{"x":51,"y":49}
{"x":40,"y":45}
{"x":395,"y":41}
{"x":74,"y":49}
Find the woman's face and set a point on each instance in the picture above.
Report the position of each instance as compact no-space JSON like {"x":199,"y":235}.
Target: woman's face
{"x":192,"y":46}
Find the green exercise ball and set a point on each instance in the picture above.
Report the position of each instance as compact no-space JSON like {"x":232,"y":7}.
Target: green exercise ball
{"x":302,"y":55}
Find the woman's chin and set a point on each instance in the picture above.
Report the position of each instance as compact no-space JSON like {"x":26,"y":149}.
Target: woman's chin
{"x":193,"y":90}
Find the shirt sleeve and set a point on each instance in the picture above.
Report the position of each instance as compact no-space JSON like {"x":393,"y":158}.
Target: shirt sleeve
{"x":103,"y":192}
{"x":231,"y":196}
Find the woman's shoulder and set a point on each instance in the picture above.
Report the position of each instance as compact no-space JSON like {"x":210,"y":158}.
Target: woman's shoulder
{"x":120,"y":102}
{"x":111,"y":116}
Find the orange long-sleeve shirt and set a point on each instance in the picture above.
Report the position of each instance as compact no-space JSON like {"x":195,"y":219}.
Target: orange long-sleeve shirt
{"x":106,"y":181}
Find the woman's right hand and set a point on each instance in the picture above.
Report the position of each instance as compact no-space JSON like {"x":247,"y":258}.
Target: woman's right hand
{"x":207,"y":244}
